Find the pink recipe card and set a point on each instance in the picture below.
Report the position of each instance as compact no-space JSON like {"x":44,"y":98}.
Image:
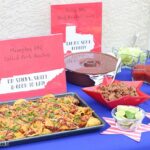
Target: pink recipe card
{"x":31,"y":67}
{"x":81,"y":25}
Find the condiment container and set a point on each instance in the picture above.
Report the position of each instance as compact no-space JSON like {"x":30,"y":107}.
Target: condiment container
{"x":83,"y":68}
{"x":127,"y":124}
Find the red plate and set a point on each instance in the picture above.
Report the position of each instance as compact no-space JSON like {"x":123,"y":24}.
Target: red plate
{"x":125,"y":100}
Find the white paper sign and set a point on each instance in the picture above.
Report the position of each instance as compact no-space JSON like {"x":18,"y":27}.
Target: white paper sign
{"x":28,"y":82}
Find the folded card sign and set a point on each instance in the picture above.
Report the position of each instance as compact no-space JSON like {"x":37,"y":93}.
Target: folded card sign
{"x":31,"y":67}
{"x":81,"y":25}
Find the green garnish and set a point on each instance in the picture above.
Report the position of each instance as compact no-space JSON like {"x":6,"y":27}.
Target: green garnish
{"x":7,"y":114}
{"x":76,"y":118}
{"x":2,"y":137}
{"x":15,"y":128}
{"x":31,"y":114}
{"x":52,"y":100}
{"x":51,"y":115}
{"x":30,"y":118}
{"x":46,"y":111}
{"x":18,"y":108}
{"x":129,"y":115}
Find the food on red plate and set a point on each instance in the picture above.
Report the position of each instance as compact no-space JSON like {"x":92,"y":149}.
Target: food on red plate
{"x":116,"y":90}
{"x":122,"y":98}
{"x":141,"y":72}
{"x":44,"y":115}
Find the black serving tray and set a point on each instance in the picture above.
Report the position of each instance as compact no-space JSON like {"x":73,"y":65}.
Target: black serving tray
{"x":57,"y":134}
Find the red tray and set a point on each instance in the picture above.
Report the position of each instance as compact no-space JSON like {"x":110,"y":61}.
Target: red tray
{"x":125,"y":100}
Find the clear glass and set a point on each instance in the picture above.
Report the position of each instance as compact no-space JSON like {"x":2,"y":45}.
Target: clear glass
{"x":141,"y":72}
{"x":128,"y":61}
{"x":128,"y":124}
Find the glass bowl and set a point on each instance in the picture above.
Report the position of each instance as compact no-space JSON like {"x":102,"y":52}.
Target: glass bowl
{"x":131,"y":58}
{"x":141,"y":72}
{"x":128,"y":124}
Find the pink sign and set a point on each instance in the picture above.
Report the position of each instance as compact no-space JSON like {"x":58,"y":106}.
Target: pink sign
{"x":81,"y":25}
{"x":28,"y":67}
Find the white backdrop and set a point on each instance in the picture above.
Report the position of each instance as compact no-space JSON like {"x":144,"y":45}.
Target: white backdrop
{"x":122,"y":19}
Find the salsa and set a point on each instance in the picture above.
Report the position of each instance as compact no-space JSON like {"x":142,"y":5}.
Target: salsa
{"x":90,"y":63}
{"x":141,"y":72}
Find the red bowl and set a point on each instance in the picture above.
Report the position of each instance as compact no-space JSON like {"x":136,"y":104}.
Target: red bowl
{"x":125,"y":100}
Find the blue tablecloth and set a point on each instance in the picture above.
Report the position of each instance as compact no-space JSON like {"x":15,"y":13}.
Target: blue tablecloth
{"x":93,"y":140}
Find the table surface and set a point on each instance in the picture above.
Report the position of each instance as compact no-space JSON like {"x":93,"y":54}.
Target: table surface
{"x":94,"y":140}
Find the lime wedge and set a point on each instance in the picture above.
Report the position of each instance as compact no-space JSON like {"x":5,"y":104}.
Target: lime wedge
{"x":122,"y":108}
{"x":133,"y":109}
{"x":129,"y":115}
{"x":139,"y":115}
{"x":120,"y":114}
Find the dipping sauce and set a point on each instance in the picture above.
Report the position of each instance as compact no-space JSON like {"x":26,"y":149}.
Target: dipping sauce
{"x":80,"y":65}
{"x":141,"y":72}
{"x":90,"y":63}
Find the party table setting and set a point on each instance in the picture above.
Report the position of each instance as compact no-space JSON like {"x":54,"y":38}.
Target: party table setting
{"x":62,"y":91}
